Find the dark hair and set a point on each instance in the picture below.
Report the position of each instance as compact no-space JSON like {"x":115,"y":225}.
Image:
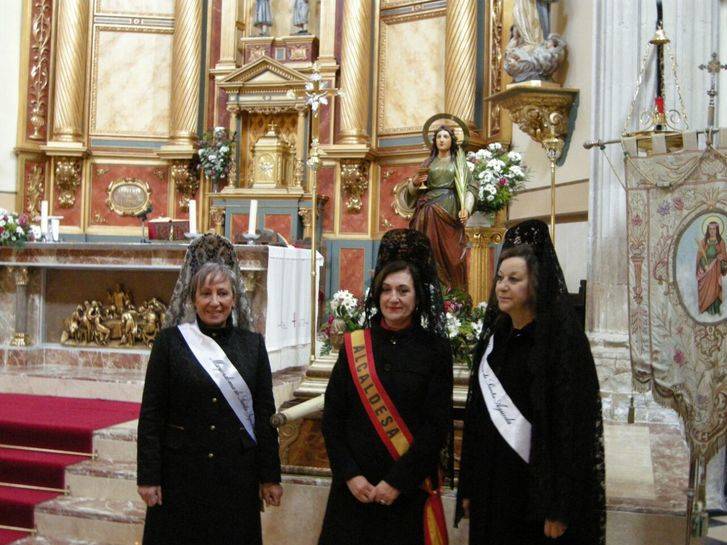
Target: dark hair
{"x":524,"y":251}
{"x":420,"y":291}
{"x":706,"y":232}
{"x":434,"y":152}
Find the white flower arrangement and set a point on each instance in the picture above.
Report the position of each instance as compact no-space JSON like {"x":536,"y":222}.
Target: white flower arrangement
{"x":15,"y":229}
{"x":500,"y":175}
{"x":215,"y":154}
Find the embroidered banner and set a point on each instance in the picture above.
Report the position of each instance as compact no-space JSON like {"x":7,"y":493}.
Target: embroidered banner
{"x":677,"y":263}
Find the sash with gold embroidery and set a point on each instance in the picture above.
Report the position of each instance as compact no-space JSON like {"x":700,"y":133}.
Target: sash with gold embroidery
{"x":389,"y":425}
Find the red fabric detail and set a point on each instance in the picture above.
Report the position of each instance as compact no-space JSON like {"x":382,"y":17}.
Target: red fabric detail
{"x":35,"y":468}
{"x":17,"y":505}
{"x":58,"y":423}
{"x":8,"y":536}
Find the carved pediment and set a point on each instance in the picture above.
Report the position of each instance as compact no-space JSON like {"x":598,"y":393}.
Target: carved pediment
{"x":263,"y":74}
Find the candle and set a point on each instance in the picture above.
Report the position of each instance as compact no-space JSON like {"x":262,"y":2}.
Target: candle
{"x":251,"y":226}
{"x":55,"y":227}
{"x":44,"y":219}
{"x":192,"y":216}
{"x":659,"y":104}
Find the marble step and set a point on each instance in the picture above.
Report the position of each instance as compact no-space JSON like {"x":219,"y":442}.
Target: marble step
{"x":103,"y":480}
{"x":83,"y":519}
{"x":72,"y":381}
{"x":116,"y":443}
{"x":45,"y":540}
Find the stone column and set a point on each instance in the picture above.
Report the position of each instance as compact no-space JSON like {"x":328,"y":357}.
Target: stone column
{"x":186,"y":53}
{"x":355,"y":71}
{"x":461,"y":59}
{"x":70,"y":71}
{"x":327,"y":33}
{"x":20,"y":336}
{"x":228,"y":35}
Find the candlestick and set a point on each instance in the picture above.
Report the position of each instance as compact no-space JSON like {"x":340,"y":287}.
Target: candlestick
{"x":44,"y":219}
{"x":192,"y":216}
{"x":252,"y":224}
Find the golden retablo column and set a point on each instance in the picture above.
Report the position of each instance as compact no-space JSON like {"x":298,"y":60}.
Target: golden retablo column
{"x":355,"y":71}
{"x":461,"y":59}
{"x":70,"y":70}
{"x":186,"y":53}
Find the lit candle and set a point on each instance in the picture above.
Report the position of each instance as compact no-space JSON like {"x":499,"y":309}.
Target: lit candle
{"x":252,"y":224}
{"x":44,"y":218}
{"x":192,"y":216}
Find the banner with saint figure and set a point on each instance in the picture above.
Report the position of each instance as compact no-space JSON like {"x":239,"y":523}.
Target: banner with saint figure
{"x":677,"y":260}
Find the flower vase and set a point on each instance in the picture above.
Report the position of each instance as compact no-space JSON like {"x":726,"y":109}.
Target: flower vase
{"x":215,"y":183}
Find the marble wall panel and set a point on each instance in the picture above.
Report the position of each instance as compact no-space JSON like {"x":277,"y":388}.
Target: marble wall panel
{"x":223,"y":116}
{"x":327,"y":186}
{"x":411,"y":74}
{"x":103,"y":174}
{"x":390,"y":176}
{"x":355,"y":222}
{"x":131,"y":84}
{"x":282,"y":223}
{"x":324,"y":128}
{"x":351,"y":272}
{"x":239,"y":225}
{"x":136,"y":7}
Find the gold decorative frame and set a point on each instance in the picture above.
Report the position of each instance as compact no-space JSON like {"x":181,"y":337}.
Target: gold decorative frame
{"x":125,"y":209}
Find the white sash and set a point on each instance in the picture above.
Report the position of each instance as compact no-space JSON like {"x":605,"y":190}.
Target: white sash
{"x":220,"y":369}
{"x":512,"y":425}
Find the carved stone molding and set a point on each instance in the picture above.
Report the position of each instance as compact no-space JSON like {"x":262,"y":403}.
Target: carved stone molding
{"x":68,"y":180}
{"x":354,"y":182}
{"x":39,"y":68}
{"x":186,"y":182}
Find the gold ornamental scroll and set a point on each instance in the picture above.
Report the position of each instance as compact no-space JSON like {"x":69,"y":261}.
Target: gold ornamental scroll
{"x":461,"y":59}
{"x":355,"y":71}
{"x":70,"y":70}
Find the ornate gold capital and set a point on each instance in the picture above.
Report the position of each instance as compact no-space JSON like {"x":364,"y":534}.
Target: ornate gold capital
{"x":354,"y":182}
{"x":540,"y":111}
{"x":479,"y":280}
{"x":185,"y":181}
{"x":20,"y":275}
{"x":68,"y":180}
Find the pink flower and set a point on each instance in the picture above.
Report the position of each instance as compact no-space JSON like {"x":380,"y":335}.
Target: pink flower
{"x":678,"y":203}
{"x":636,"y":220}
{"x":679,"y":357}
{"x":503,"y":181}
{"x":448,"y":306}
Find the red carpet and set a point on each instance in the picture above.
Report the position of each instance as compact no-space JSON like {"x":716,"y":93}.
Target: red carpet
{"x":8,"y":536}
{"x":57,"y":423}
{"x":60,"y":423}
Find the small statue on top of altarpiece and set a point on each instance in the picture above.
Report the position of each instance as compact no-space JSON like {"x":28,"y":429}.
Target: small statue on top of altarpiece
{"x":300,"y":15}
{"x":263,"y":16}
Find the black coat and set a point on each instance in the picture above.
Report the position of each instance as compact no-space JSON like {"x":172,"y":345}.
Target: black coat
{"x":415,"y":369}
{"x":192,"y":444}
{"x":564,"y":479}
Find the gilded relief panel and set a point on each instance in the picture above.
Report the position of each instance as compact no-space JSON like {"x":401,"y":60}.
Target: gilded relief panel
{"x":160,"y":8}
{"x":411,"y":73}
{"x":131,"y":73}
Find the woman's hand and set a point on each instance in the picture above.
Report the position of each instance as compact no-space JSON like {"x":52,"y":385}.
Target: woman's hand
{"x":554,"y":528}
{"x":419,"y":179}
{"x":361,"y":488}
{"x":271,"y":494}
{"x":384,"y":493}
{"x":152,"y":495}
{"x":466,"y":507}
{"x":463,"y":216}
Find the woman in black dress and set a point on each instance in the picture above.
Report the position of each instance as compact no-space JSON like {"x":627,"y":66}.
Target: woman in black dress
{"x":380,"y":495}
{"x":204,"y":458}
{"x":532,"y":468}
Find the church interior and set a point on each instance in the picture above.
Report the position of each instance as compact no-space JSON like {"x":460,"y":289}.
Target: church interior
{"x":297,"y":129}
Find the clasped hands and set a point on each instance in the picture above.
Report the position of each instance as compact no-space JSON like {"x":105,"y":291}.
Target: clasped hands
{"x":383,"y":493}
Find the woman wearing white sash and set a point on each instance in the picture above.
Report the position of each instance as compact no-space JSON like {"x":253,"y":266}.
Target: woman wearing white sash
{"x":206,"y":450}
{"x":531,"y":470}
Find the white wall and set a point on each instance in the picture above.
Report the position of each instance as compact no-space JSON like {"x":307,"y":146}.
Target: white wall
{"x":10,"y":23}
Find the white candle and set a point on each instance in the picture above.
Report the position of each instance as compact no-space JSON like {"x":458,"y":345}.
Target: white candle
{"x":55,"y":227}
{"x":44,"y":218}
{"x":252,"y":224}
{"x":192,"y":216}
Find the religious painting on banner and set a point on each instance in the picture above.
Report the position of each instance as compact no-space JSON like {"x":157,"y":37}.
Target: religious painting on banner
{"x":677,"y":260}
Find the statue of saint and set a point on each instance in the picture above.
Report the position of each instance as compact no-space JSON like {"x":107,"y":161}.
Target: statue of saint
{"x":300,"y":15}
{"x":263,"y":16}
{"x":533,"y":52}
{"x":444,"y":204}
